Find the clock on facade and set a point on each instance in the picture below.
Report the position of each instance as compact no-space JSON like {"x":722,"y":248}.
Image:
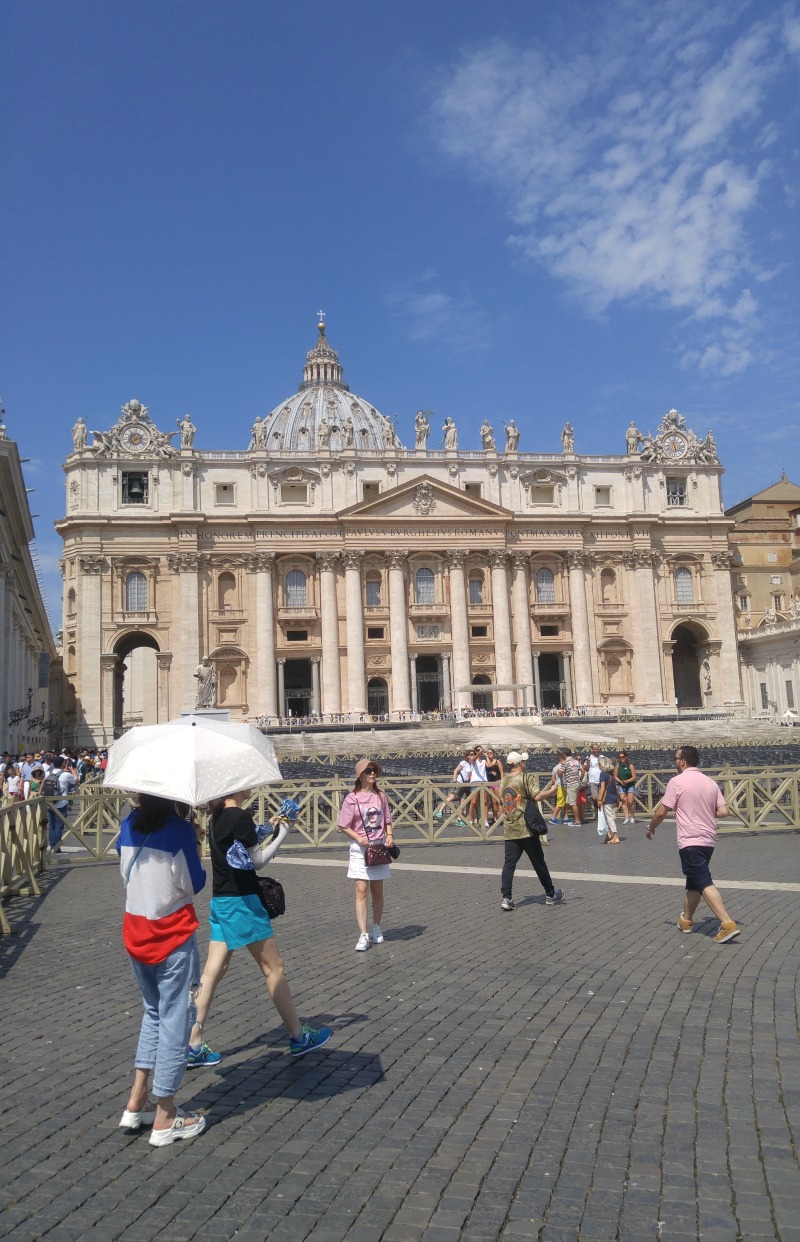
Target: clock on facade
{"x":675,"y":445}
{"x":136,"y":438}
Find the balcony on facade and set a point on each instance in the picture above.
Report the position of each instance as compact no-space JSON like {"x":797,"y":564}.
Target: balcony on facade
{"x":428,"y":610}
{"x":297,"y":612}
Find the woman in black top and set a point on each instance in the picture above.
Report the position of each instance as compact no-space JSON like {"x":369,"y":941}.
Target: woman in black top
{"x":494,"y":775}
{"x":239,"y":920}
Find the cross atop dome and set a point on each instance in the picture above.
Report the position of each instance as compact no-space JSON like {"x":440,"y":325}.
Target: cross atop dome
{"x":322,"y":362}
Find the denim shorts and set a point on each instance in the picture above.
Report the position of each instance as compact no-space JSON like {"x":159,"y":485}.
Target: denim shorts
{"x":238,"y":921}
{"x":694,"y":861}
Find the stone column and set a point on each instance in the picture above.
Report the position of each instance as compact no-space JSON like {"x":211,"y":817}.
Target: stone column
{"x":186,"y":609}
{"x":459,"y":626}
{"x":537,"y":689}
{"x":729,"y":651}
{"x":315,"y":699}
{"x":261,"y":564}
{"x":89,"y":647}
{"x":282,"y":686}
{"x":584,"y":694}
{"x":412,"y":662}
{"x":356,"y":681}
{"x":163,"y":664}
{"x":447,"y":697}
{"x":503,"y":662}
{"x":398,"y":631}
{"x":649,"y":652}
{"x":108,"y":679}
{"x":521,"y":621}
{"x":566,"y":664}
{"x":329,"y":614}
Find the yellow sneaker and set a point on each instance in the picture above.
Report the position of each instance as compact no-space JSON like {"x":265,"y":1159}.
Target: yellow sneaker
{"x":727,"y":931}
{"x":685,"y":924}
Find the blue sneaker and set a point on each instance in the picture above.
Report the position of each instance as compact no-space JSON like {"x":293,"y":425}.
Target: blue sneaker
{"x":309,"y":1040}
{"x":554,"y":821}
{"x":202,"y":1057}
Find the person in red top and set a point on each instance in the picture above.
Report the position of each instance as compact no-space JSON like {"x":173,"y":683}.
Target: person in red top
{"x":697,"y":803}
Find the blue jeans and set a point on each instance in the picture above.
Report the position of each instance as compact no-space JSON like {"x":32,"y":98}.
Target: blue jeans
{"x":55,"y":826}
{"x":168,"y":991}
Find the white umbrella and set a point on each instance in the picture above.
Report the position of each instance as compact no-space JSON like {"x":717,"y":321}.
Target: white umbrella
{"x":192,"y":759}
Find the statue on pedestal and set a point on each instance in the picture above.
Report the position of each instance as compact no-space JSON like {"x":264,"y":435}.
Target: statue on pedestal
{"x":323,"y":434}
{"x":348,"y":433}
{"x":487,"y":435}
{"x":450,"y":434}
{"x":568,"y":438}
{"x":633,"y":438}
{"x":512,"y":436}
{"x":258,"y":435}
{"x":422,"y":429}
{"x":79,"y":436}
{"x":188,"y":430}
{"x":206,"y":677}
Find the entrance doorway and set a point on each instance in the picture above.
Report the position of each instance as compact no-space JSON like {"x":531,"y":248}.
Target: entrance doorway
{"x":135,"y":682}
{"x":377,"y":697}
{"x":482,"y":701}
{"x":550,"y":684}
{"x":429,"y":684}
{"x":686,"y":665}
{"x":297,"y":688}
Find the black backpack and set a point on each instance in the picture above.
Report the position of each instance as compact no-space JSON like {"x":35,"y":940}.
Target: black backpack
{"x":50,"y":784}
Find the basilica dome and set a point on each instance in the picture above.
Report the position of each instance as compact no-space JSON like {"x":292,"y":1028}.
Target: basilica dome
{"x":324,"y":413}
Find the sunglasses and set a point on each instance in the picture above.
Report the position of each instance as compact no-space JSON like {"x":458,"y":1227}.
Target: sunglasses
{"x":372,"y":771}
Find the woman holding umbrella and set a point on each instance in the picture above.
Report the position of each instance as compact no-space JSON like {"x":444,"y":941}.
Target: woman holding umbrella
{"x":240,"y":921}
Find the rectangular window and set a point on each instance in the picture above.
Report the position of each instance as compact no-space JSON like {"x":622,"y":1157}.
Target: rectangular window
{"x":790,"y":695}
{"x":778,"y":603}
{"x":772,"y":557}
{"x":135,"y":487}
{"x":428,"y":631}
{"x":370,"y":491}
{"x":764,"y":695}
{"x":776,"y":580}
{"x":542,"y":494}
{"x":676,"y":492}
{"x":473,"y":489}
{"x":602,"y":496}
{"x":376,"y":631}
{"x":479,"y":631}
{"x":548,"y":631}
{"x":297,"y":636}
{"x":294,"y":493}
{"x":224,"y":494}
{"x":372,"y":592}
{"x":744,"y":603}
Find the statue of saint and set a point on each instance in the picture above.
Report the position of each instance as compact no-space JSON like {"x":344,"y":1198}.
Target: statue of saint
{"x":187,"y":429}
{"x":348,"y":433}
{"x":512,"y":437}
{"x":568,"y":438}
{"x":633,"y":438}
{"x":771,"y":615}
{"x":709,"y":449}
{"x":206,"y":684}
{"x":323,"y":434}
{"x":258,"y":435}
{"x":79,"y":436}
{"x":389,"y":437}
{"x":450,"y":434}
{"x":487,"y":435}
{"x":422,"y":429}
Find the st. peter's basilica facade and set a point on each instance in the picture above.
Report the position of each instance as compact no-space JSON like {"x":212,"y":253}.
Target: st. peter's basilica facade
{"x":328,"y":571}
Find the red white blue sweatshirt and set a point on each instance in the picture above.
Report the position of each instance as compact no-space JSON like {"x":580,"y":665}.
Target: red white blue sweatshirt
{"x":160,"y":878}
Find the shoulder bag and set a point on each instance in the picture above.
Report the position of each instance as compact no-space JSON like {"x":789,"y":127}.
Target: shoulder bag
{"x":273,"y":898}
{"x":534,"y":820}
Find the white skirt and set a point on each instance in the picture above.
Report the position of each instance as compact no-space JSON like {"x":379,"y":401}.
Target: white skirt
{"x":358,"y":870}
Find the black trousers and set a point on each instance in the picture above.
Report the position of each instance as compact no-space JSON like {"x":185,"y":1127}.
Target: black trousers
{"x":531,"y":846}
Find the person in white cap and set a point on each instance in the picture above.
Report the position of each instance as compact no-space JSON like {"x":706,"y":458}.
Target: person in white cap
{"x":516,"y":788}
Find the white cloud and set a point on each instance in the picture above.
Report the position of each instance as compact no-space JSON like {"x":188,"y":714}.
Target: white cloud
{"x":432,"y":316}
{"x":631,"y":166}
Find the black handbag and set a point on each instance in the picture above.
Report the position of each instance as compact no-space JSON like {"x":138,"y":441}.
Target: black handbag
{"x":273,"y":898}
{"x":534,"y":820}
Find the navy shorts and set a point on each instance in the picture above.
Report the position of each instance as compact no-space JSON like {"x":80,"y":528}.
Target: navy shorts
{"x":694,"y":861}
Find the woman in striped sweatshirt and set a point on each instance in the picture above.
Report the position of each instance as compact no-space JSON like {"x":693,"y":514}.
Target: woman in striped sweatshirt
{"x":160,"y":863}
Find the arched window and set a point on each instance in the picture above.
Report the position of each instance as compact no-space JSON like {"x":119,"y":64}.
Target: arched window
{"x":372,"y":591}
{"x":423,"y":580}
{"x":608,"y":586}
{"x":476,"y":587}
{"x":226,"y":592}
{"x":684,"y":592}
{"x":227,"y":685}
{"x":295,"y":589}
{"x":135,"y":593}
{"x":71,"y":602}
{"x":545,"y":586}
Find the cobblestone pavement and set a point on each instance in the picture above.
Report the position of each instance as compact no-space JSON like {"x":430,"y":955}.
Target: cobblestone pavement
{"x":580,"y":1071}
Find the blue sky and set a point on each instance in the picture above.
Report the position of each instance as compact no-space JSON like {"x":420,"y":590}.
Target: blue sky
{"x":578,"y":211}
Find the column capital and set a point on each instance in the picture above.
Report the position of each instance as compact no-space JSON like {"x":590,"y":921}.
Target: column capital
{"x":353,"y":558}
{"x":109,"y":660}
{"x":90,"y":564}
{"x":259,"y":562}
{"x":520,"y":560}
{"x":396,"y":560}
{"x":327,"y":560}
{"x":456,"y":559}
{"x":314,"y":659}
{"x":498,"y":558}
{"x":577,"y":558}
{"x":164,"y":659}
{"x":722,"y":559}
{"x":186,"y":562}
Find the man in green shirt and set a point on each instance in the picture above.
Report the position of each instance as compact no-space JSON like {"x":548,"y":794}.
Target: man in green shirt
{"x":516,"y":788}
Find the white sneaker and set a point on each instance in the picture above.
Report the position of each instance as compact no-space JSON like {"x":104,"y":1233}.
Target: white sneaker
{"x":363,"y":943}
{"x":377,"y":934}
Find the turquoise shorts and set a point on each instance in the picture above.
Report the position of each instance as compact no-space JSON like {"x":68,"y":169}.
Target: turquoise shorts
{"x":239,"y":920}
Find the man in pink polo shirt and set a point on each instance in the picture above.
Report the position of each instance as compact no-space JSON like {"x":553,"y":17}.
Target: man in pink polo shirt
{"x":697,"y":803}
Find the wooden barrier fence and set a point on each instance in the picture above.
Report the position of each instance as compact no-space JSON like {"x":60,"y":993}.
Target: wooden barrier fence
{"x":757,"y":800}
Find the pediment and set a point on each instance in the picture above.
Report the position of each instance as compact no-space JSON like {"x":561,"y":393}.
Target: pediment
{"x":427,"y":499}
